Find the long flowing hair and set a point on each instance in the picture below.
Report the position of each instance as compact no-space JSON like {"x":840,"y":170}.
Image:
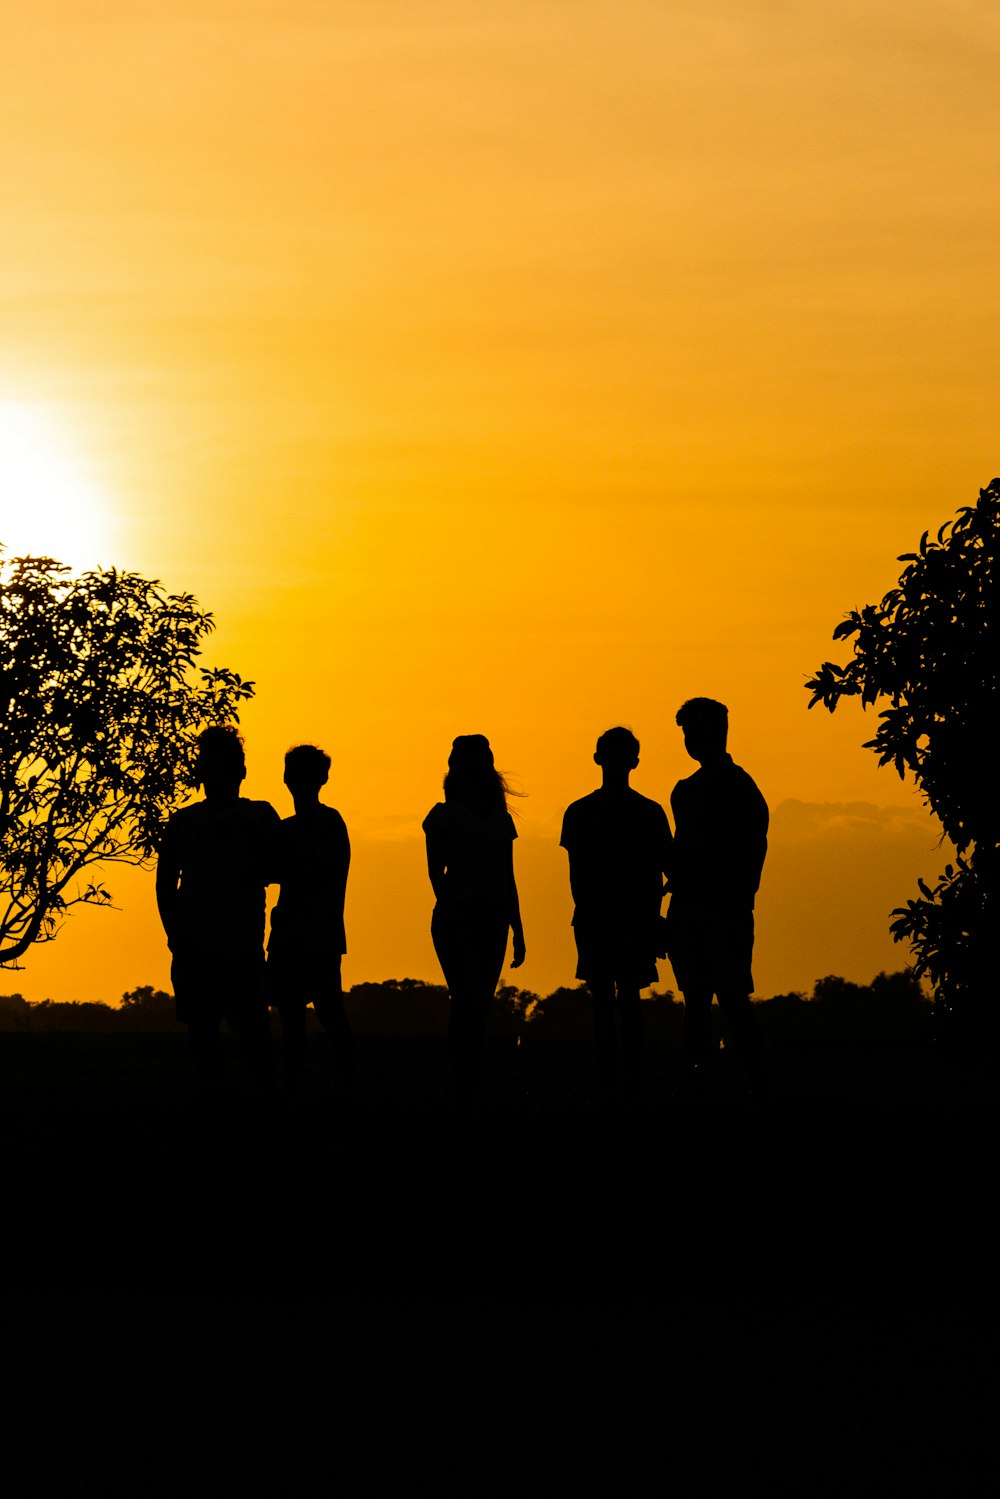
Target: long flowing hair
{"x":473,"y":780}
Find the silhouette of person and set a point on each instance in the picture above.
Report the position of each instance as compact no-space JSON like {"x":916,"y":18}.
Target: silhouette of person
{"x":307,"y":940}
{"x":720,"y":822}
{"x":619,"y":848}
{"x":470,"y":860}
{"x":216,"y":858}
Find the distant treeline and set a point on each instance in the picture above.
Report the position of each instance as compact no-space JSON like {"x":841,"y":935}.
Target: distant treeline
{"x":892,"y":1005}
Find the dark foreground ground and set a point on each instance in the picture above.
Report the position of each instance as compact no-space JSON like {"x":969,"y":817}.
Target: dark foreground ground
{"x":687,"y":1293}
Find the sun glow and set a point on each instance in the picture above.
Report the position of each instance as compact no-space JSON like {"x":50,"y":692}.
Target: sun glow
{"x":51,"y":505}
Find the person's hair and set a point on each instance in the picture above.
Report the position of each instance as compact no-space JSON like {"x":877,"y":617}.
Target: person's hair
{"x":704,"y":715}
{"x":473,"y":779}
{"x":307,"y":765}
{"x":220,"y":752}
{"x":616,"y":744}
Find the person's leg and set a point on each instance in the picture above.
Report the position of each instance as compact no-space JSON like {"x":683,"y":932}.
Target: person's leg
{"x":734,"y":987}
{"x":470,"y":1013}
{"x":206,"y":1048}
{"x":450,"y":945}
{"x":292,"y":1011}
{"x":749,"y":1042}
{"x":197,"y":1007}
{"x":602,"y":992}
{"x":699,"y":1043}
{"x":285,"y":993}
{"x":247,"y":1013}
{"x":254,"y":1030}
{"x":471,"y":953}
{"x":630,"y":1011}
{"x":464,"y":1042}
{"x":328,"y":1001}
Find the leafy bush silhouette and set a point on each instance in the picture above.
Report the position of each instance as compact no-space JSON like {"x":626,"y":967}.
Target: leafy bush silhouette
{"x":148,"y":1009}
{"x":15,"y":1013}
{"x":567,"y":1014}
{"x":891,"y":1007}
{"x":398,"y":1007}
{"x":929,"y":650}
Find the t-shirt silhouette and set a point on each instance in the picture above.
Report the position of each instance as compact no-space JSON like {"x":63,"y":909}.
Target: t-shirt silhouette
{"x":721,"y":822}
{"x":619,"y":847}
{"x":476,"y":854}
{"x":226,"y":856}
{"x":314,"y":855}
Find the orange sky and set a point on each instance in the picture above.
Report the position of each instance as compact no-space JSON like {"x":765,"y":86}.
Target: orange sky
{"x":514,"y":368}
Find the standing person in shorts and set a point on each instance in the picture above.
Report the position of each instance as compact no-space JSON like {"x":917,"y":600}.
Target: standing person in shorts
{"x":720,"y":821}
{"x":216,"y":858}
{"x":308,"y":941}
{"x":619,"y":848}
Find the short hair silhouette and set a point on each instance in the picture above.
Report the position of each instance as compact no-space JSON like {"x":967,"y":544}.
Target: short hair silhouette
{"x":220,"y":753}
{"x":307,"y":765}
{"x":616,"y":747}
{"x":705,"y":718}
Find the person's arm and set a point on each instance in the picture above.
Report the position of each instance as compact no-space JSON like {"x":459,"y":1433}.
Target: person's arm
{"x":168,"y":874}
{"x":566,"y":841}
{"x":342,"y":864}
{"x":270,"y":845}
{"x":757,"y":843}
{"x":666,"y":853}
{"x":517,"y":930}
{"x":436,"y":862}
{"x":676,"y":842}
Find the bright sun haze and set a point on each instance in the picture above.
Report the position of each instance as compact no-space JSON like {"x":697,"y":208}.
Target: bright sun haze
{"x":50,"y":503}
{"x":487,"y":370}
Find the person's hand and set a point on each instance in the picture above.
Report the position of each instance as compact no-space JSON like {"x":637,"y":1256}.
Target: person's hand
{"x":518,"y":957}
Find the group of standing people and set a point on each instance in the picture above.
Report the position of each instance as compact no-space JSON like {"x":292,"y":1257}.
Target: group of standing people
{"x":220,"y":853}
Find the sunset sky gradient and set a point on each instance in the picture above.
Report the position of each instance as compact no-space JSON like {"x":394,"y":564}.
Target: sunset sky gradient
{"x":517,"y":368}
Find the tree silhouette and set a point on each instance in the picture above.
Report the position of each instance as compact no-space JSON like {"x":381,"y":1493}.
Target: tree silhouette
{"x":100,"y":704}
{"x":930,"y":650}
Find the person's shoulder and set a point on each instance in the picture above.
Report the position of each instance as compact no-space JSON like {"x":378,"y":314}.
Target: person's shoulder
{"x":687,"y":784}
{"x":258,"y":808}
{"x":578,"y":819}
{"x":258,"y":812}
{"x":583,"y":805}
{"x":177,"y":826}
{"x":330,"y":820}
{"x":186,"y":814}
{"x":743,"y":778}
{"x":646,"y":805}
{"x":580,"y":810}
{"x":187,"y":817}
{"x":436,"y":817}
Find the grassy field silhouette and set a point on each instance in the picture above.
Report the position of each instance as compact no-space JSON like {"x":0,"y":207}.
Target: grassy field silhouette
{"x":792,"y":1294}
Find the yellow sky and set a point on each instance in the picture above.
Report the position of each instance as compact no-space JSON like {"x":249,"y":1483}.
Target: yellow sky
{"x":515,"y":368}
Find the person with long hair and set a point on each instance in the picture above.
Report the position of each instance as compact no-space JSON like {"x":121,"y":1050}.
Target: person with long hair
{"x":470,"y":860}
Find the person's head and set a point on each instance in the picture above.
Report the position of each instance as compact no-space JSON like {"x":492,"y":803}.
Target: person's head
{"x":472,"y":777}
{"x":307,"y":768}
{"x":705,"y":726}
{"x":617,"y":752}
{"x":220,"y":764}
